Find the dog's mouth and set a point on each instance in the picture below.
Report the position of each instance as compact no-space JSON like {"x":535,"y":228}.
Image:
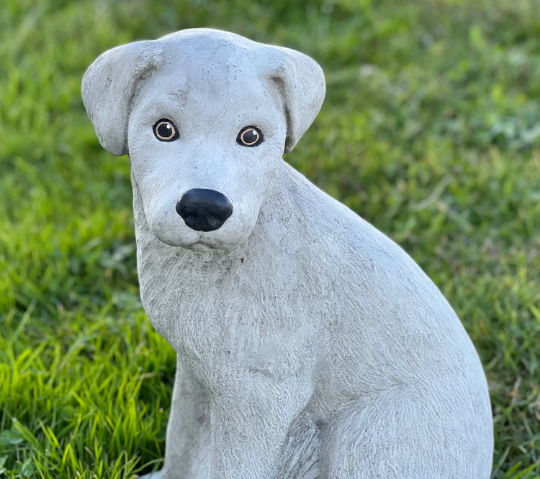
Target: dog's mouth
{"x":201,"y":246}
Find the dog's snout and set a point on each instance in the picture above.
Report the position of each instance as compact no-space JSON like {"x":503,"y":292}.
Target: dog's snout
{"x":204,"y":210}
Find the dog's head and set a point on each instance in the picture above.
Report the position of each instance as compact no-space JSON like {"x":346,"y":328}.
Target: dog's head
{"x":205,"y":117}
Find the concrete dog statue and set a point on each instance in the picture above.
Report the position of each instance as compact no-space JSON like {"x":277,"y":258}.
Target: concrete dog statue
{"x":309,"y":344}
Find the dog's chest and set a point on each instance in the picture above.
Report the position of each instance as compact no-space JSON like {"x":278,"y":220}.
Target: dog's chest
{"x":251,"y":314}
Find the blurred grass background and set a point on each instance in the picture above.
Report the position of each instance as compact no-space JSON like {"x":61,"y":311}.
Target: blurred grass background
{"x":430,"y":130}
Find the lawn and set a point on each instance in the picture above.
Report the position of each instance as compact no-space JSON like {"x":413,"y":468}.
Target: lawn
{"x":430,"y":130}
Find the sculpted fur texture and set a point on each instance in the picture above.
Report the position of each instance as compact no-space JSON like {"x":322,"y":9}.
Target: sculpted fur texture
{"x":309,"y":344}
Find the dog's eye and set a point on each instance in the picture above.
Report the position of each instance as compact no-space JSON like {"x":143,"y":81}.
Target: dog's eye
{"x":250,"y":136}
{"x":165,"y":130}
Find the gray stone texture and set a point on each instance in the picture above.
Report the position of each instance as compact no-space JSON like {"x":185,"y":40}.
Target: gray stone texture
{"x":309,"y":344}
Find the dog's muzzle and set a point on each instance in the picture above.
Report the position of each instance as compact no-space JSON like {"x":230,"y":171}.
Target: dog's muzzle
{"x":204,"y":210}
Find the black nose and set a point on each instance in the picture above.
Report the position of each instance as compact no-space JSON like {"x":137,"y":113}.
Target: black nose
{"x":204,"y":210}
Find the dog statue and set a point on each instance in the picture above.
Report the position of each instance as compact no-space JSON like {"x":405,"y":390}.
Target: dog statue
{"x":309,"y":344}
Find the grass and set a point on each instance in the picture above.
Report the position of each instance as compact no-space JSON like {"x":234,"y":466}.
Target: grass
{"x":430,"y":131}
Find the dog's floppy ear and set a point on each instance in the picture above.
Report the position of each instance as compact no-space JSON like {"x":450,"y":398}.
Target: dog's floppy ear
{"x":109,"y":87}
{"x":300,"y":81}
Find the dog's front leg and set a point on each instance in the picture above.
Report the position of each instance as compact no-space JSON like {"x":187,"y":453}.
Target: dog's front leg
{"x":188,"y":443}
{"x":250,"y":423}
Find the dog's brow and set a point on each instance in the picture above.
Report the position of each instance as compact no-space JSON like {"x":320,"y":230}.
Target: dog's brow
{"x":180,"y":95}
